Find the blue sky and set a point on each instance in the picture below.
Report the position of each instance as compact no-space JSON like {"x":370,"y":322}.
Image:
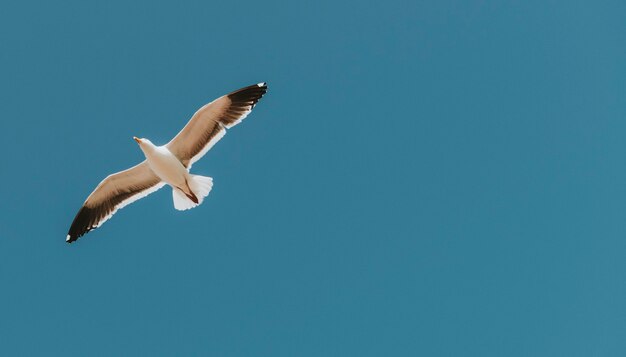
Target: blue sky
{"x":422,"y":178}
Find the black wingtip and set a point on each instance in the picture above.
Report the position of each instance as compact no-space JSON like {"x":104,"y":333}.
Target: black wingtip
{"x":71,"y":238}
{"x":82,"y":224}
{"x":249,"y":94}
{"x":255,"y":88}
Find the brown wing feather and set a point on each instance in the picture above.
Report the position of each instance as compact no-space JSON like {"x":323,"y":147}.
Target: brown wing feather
{"x":113,"y":193}
{"x":210,"y":122}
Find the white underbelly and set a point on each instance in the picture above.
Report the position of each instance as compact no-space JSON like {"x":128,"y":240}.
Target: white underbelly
{"x":167,"y":166}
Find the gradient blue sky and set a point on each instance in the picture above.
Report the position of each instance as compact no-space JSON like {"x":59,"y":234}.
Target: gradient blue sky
{"x":438,"y":178}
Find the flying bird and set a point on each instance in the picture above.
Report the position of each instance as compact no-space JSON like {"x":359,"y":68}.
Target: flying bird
{"x":168,"y":164}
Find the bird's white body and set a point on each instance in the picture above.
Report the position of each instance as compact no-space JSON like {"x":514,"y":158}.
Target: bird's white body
{"x":188,"y":191}
{"x":165,"y":165}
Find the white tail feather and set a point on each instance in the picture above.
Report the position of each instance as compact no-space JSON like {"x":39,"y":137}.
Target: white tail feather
{"x":199,"y":185}
{"x":181,"y":201}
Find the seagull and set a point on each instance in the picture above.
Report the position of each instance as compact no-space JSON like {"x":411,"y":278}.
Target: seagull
{"x":168,"y":164}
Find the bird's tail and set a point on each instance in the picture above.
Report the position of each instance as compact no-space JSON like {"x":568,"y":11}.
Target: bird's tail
{"x":200,"y":187}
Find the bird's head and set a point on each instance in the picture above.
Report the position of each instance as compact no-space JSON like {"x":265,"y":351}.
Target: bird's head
{"x":143,"y":143}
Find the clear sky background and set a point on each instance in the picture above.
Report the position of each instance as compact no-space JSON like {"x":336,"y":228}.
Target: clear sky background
{"x":423,"y":178}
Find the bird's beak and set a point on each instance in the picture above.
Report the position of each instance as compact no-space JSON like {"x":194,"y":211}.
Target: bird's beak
{"x":137,"y":139}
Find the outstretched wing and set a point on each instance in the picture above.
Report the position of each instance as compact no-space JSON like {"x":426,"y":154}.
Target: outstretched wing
{"x":208,"y":125}
{"x":114,"y":192}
